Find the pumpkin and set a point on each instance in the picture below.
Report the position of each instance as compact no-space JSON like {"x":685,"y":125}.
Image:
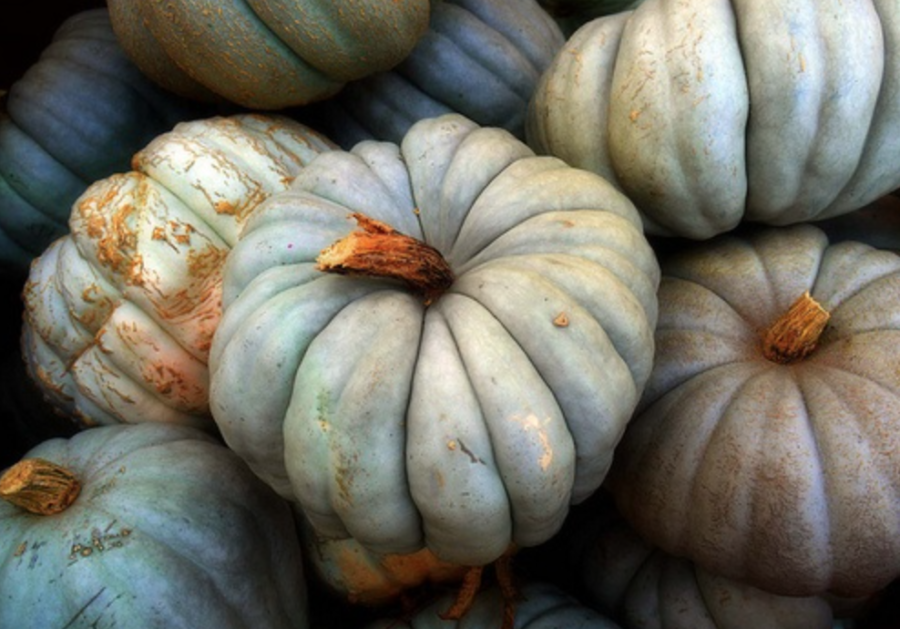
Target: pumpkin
{"x":266,"y":54}
{"x":711,"y":114}
{"x":145,"y":526}
{"x":354,"y":575}
{"x":435,"y":344}
{"x":766,"y":447}
{"x":76,"y":115}
{"x":639,"y":585}
{"x":119,"y":313}
{"x":479,"y":59}
{"x":542,"y":605}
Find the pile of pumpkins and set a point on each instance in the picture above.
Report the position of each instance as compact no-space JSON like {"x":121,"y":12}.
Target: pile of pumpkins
{"x":453,"y":313}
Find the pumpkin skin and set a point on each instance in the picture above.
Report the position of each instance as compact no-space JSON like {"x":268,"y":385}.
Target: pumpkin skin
{"x":710,"y":115}
{"x":76,"y":115}
{"x":266,"y":54}
{"x":541,"y":606}
{"x":639,"y":585}
{"x":481,"y":60}
{"x":170,"y":529}
{"x":463,"y":426}
{"x":352,"y":574}
{"x":781,"y":475}
{"x":119,"y":313}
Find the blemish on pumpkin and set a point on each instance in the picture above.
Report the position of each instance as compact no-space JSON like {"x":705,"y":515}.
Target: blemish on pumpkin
{"x":20,"y":549}
{"x":225,"y":207}
{"x":472,"y":457}
{"x":100,"y":542}
{"x":561,"y":320}
{"x":533,"y":423}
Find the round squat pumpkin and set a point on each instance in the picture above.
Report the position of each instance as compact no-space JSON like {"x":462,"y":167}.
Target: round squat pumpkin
{"x":266,"y":54}
{"x":435,"y":344}
{"x":145,"y":526}
{"x":76,"y":115}
{"x":766,"y":446}
{"x":119,"y":313}
{"x":713,"y":113}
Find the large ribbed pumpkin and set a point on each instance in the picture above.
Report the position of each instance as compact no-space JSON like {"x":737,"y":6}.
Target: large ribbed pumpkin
{"x":266,"y":54}
{"x":120,"y":312}
{"x":766,"y":447}
{"x":711,"y":113}
{"x":76,"y":115}
{"x":462,"y":404}
{"x":149,"y":527}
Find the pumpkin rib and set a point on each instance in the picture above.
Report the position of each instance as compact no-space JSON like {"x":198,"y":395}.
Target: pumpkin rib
{"x":762,"y":526}
{"x":868,"y":181}
{"x":708,"y":441}
{"x":443,"y":29}
{"x":511,"y":464}
{"x":582,"y":403}
{"x":441,"y":519}
{"x":250,"y":333}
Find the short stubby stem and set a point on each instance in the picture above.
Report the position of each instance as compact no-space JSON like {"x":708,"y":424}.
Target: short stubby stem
{"x":39,"y":486}
{"x":795,"y":333}
{"x":378,"y":250}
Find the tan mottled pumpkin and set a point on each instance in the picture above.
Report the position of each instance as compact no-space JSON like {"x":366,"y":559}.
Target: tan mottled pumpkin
{"x":120,"y":312}
{"x":766,"y":446}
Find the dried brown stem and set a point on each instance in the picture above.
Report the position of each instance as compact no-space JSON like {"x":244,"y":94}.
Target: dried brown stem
{"x":39,"y":486}
{"x":795,"y":333}
{"x":378,"y":250}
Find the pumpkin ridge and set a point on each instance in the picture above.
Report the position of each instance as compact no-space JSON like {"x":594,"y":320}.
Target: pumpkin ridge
{"x":467,"y":51}
{"x":701,"y":459}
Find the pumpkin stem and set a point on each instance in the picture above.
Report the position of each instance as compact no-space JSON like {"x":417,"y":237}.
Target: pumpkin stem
{"x":795,"y":333}
{"x":378,"y":250}
{"x":471,"y":585}
{"x":39,"y":486}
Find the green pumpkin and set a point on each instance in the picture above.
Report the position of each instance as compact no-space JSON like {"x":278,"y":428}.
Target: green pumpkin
{"x":709,"y":114}
{"x":119,"y":313}
{"x":76,"y":115}
{"x":479,"y":59}
{"x":266,"y":54}
{"x":766,"y":447}
{"x":461,"y":415}
{"x":148,"y":527}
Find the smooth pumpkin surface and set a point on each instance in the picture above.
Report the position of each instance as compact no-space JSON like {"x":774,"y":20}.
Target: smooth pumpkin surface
{"x":465,"y":423}
{"x":169,"y":529}
{"x":479,"y":59}
{"x":77,"y":114}
{"x":784,"y":474}
{"x":266,"y":54}
{"x":710,"y":114}
{"x":119,"y":313}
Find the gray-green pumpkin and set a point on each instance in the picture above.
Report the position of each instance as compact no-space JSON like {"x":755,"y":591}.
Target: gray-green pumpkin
{"x":145,"y":526}
{"x":461,"y":416}
{"x":712,"y":113}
